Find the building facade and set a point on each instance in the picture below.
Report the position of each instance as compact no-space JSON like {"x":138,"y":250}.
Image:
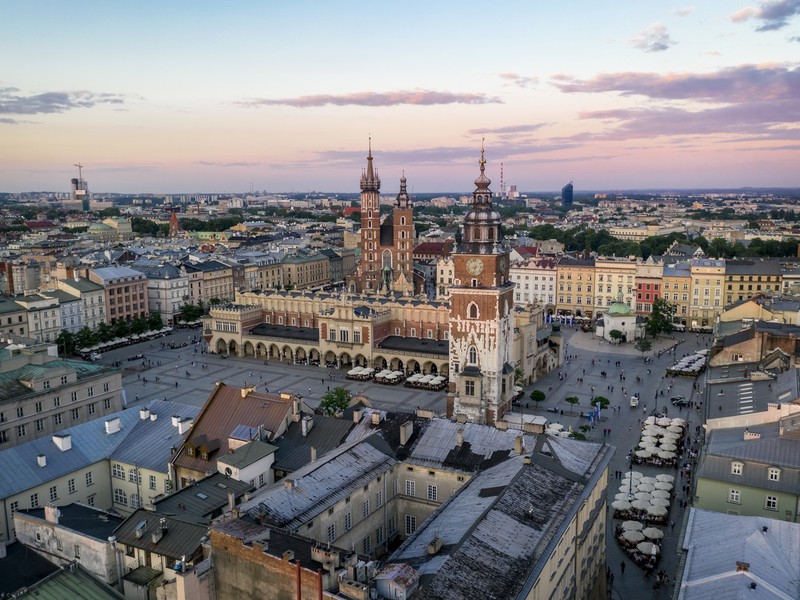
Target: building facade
{"x":125,"y":292}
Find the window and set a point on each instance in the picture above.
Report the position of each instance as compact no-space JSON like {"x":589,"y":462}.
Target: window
{"x":411,"y":524}
{"x":432,"y":492}
{"x":356,"y":337}
{"x":22,"y":430}
{"x":392,"y":524}
{"x":379,"y":499}
{"x":3,"y":437}
{"x":331,"y":533}
{"x":46,"y":384}
{"x":105,"y":387}
{"x":469,"y":387}
{"x":135,"y":503}
{"x":167,"y":486}
{"x":20,"y":412}
{"x":735,"y":496}
{"x":90,"y":392}
{"x":472,"y":310}
{"x":394,"y":487}
{"x":344,"y":335}
{"x":73,"y":396}
{"x":57,"y":419}
{"x":77,"y":550}
{"x":90,"y":500}
{"x":736,"y":468}
{"x":366,"y":507}
{"x":92,"y":408}
{"x":63,"y":380}
{"x":117,"y":471}
{"x":53,"y":493}
{"x":71,"y":486}
{"x":379,"y":535}
{"x":57,"y":401}
{"x":39,"y":424}
{"x":75,"y":413}
{"x":771,"y":503}
{"x":107,"y":403}
{"x":366,"y":545}
{"x":152,"y":482}
{"x":14,"y":507}
{"x":411,"y":488}
{"x":348,"y":521}
{"x":34,"y":500}
{"x":134,"y":476}
{"x":38,"y":407}
{"x":472,"y":355}
{"x":120,"y":497}
{"x":774,"y":474}
{"x":89,"y":479}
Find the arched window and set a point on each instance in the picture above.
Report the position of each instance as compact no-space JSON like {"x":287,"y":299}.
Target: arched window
{"x":491,"y":233}
{"x":472,"y":311}
{"x":472,"y":356}
{"x":118,"y":471}
{"x":402,"y":220}
{"x":135,"y":503}
{"x":120,"y":497}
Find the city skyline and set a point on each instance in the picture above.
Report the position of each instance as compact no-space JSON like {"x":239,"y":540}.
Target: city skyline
{"x":180,"y":97}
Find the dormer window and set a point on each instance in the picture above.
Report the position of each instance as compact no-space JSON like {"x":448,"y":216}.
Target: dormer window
{"x":189,"y":450}
{"x":736,"y":468}
{"x":773,"y":474}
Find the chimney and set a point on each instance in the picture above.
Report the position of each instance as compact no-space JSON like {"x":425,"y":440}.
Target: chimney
{"x":112,"y":425}
{"x":306,"y":424}
{"x":231,"y":500}
{"x":175,"y":420}
{"x":406,"y":431}
{"x":376,"y":418}
{"x":42,"y":460}
{"x":296,"y":414}
{"x":153,"y":416}
{"x":51,"y":513}
{"x":313,"y":454}
{"x":518,"y":447}
{"x":288,"y":555}
{"x":357,"y":415}
{"x":460,"y":437}
{"x":63,"y":441}
{"x":742,"y":566}
{"x":288,"y":483}
{"x":144,"y":413}
{"x":184,"y":425}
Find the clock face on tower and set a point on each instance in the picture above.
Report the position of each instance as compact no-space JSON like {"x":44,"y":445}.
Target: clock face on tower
{"x":502,"y":262}
{"x":475,"y":266}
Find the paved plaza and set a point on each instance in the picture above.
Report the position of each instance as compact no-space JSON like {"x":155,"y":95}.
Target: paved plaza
{"x":196,"y":373}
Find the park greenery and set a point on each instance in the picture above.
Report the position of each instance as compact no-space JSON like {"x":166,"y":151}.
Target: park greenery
{"x":72,"y":342}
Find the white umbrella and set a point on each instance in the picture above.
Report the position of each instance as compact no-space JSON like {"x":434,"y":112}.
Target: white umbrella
{"x":640,"y":504}
{"x":665,"y":478}
{"x":654,"y":533}
{"x":633,"y":536}
{"x":656,"y":511}
{"x":665,"y":454}
{"x":650,"y":480}
{"x":646,"y":444}
{"x":678,"y":421}
{"x":659,"y":494}
{"x":621,"y":496}
{"x":556,"y":426}
{"x":632,"y":525}
{"x":625,"y":488}
{"x":650,"y":421}
{"x":644,"y":453}
{"x":620,"y":505}
{"x":663,"y":485}
{"x":636,"y":474}
{"x":675,"y":429}
{"x":659,"y":502}
{"x":643,"y":496}
{"x":670,"y":436}
{"x":644,"y":487}
{"x":664,"y":422}
{"x":649,"y":438}
{"x":647,"y":548}
{"x":668,"y":447}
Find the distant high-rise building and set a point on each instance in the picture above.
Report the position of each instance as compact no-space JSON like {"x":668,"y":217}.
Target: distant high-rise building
{"x":566,"y":195}
{"x":80,"y":190}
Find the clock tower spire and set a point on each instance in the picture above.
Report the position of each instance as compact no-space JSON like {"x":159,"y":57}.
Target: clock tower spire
{"x":481,"y":314}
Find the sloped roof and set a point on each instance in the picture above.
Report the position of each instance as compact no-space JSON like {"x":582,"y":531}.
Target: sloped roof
{"x":180,"y":538}
{"x":294,"y":450}
{"x":224,"y":410}
{"x":12,"y":389}
{"x":87,"y":520}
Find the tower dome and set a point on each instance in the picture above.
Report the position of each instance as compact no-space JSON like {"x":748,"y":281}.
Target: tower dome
{"x":482,"y":222}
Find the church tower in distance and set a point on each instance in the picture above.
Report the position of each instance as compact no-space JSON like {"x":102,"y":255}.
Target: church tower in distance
{"x":481,"y":315}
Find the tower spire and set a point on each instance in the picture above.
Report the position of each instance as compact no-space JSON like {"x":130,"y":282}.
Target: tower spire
{"x":369,"y":179}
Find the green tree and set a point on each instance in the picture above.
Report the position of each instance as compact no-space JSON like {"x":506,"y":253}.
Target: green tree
{"x":191,"y":312}
{"x":154,"y":321}
{"x":602,"y":401}
{"x":335,"y":400}
{"x":121,"y":328}
{"x":660,"y":320}
{"x":139,"y":325}
{"x":537,"y":396}
{"x":66,"y":342}
{"x":571,"y":400}
{"x":85,"y":338}
{"x":643,"y":345}
{"x":519,"y":377}
{"x":104,"y":333}
{"x":615,"y":334}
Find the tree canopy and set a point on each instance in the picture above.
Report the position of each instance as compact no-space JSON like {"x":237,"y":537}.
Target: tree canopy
{"x":335,"y":400}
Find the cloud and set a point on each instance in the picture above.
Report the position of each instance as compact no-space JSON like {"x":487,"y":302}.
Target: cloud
{"x":773,"y":14}
{"x":13,"y":103}
{"x":211,"y":163}
{"x":653,"y":39}
{"x":416,"y":97}
{"x":7,"y":121}
{"x":520,"y":80}
{"x":507,"y":129}
{"x":742,"y":83}
{"x":683,"y":12}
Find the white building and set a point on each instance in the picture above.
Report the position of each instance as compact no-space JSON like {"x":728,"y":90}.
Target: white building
{"x":536,"y":281}
{"x":92,"y":298}
{"x":167,"y":289}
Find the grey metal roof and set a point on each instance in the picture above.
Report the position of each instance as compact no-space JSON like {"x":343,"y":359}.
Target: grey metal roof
{"x":247,"y":454}
{"x":285,"y":331}
{"x":12,"y":389}
{"x":294,"y":449}
{"x":87,"y":520}
{"x":90,"y":444}
{"x":106,"y":273}
{"x":419,"y":345}
{"x":181,"y":538}
{"x":22,"y":568}
{"x":715,"y":542}
{"x":71,"y":584}
{"x":150,"y":441}
{"x":203,"y":500}
{"x":320,"y":485}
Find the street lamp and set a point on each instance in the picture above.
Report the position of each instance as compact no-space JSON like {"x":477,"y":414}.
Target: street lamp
{"x":630,"y":476}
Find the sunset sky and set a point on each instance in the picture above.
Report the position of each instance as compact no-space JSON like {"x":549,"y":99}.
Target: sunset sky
{"x":169,"y":97}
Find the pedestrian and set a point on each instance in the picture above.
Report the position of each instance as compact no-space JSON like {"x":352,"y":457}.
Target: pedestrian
{"x":176,"y":384}
{"x":672,"y":525}
{"x":622,"y":567}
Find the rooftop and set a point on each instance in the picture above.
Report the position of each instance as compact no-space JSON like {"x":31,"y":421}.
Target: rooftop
{"x":87,"y":520}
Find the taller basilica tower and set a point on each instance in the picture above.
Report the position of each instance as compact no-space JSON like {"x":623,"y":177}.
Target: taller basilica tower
{"x":481,"y":315}
{"x":387,"y":246}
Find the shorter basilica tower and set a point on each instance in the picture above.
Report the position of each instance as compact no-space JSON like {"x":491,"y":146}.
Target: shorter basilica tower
{"x":481,"y":315}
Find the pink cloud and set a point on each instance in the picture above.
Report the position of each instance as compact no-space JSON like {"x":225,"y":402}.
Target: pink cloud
{"x":773,"y":14}
{"x":520,"y":80}
{"x":415,"y":97}
{"x":653,"y":39}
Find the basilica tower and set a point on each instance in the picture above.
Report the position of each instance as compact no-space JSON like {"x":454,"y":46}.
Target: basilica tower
{"x":481,"y":315}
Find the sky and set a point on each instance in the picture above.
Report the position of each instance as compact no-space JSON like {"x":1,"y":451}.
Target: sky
{"x":215,"y":97}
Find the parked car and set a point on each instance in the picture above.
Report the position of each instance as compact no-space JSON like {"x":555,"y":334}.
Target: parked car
{"x":634,"y":401}
{"x":680,"y":401}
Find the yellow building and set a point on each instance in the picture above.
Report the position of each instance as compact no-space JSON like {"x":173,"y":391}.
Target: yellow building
{"x":575,"y":294}
{"x":677,"y":280}
{"x":708,"y":283}
{"x":615,"y":278}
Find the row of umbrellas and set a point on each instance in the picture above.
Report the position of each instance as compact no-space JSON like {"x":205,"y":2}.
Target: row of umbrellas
{"x":659,"y":437}
{"x":650,"y":494}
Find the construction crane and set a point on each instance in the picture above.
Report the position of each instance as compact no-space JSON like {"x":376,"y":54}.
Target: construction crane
{"x":80,"y":171}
